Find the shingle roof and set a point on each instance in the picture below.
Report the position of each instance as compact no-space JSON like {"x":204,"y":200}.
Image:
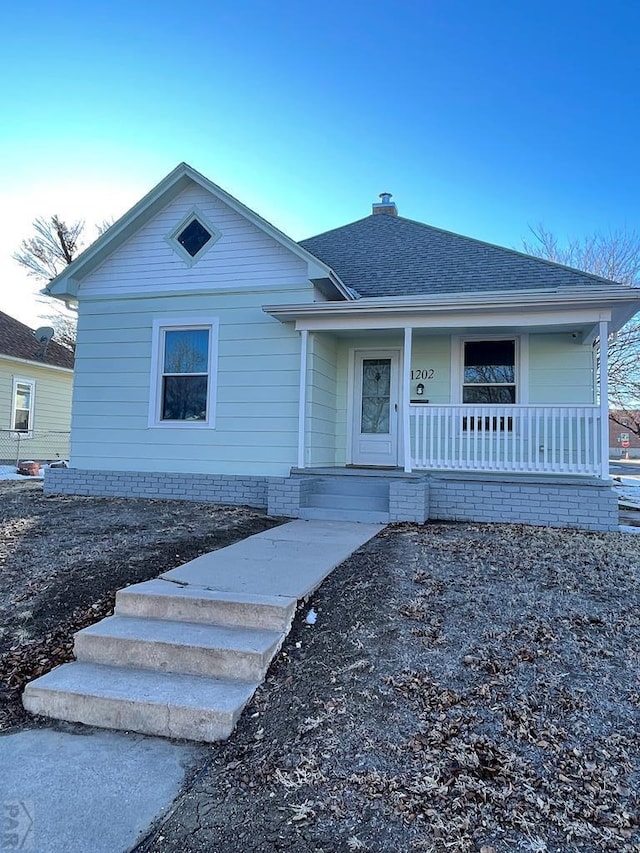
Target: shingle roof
{"x":17,"y":341}
{"x":385,"y":255}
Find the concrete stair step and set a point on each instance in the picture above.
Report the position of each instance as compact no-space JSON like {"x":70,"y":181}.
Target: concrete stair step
{"x":162,"y":599}
{"x":154,"y":703}
{"x":190,"y":648}
{"x":338,"y":501}
{"x":360,"y":515}
{"x":352,"y":486}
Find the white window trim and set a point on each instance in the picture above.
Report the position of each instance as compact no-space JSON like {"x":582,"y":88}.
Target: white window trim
{"x":17,"y":380}
{"x":521,"y":366}
{"x":155,"y":382}
{"x":172,"y":238}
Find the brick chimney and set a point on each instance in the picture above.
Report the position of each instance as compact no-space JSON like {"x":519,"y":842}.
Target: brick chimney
{"x":385,"y":205}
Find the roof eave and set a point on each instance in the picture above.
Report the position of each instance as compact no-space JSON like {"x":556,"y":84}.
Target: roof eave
{"x":623,"y":304}
{"x":32,"y":362}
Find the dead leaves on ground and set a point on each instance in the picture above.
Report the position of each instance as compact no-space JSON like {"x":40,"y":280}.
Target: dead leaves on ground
{"x":511,"y":721}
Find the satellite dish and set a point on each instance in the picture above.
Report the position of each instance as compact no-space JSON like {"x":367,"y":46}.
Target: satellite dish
{"x":44,"y":334}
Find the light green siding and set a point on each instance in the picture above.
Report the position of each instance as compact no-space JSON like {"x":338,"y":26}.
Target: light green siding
{"x":431,"y":356}
{"x":342,"y":386}
{"x":256,"y":426}
{"x":322,"y":376}
{"x":51,"y":412}
{"x":560,"y":370}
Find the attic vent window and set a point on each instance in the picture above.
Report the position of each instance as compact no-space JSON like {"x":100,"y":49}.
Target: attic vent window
{"x":193,"y":237}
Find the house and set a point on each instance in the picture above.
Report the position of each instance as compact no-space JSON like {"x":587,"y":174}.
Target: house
{"x":36,"y":378}
{"x":382,"y":370}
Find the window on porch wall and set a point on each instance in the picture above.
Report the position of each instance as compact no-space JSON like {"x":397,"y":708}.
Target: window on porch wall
{"x":489,"y":379}
{"x":489,"y":372}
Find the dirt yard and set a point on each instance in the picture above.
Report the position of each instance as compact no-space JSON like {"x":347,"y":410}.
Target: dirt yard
{"x":62,"y":559}
{"x":465,"y":688}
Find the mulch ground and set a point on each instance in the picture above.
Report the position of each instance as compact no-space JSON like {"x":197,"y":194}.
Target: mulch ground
{"x":466,"y":688}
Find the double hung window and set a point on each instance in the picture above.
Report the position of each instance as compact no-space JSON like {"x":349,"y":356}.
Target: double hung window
{"x":489,"y":375}
{"x":184,"y":380}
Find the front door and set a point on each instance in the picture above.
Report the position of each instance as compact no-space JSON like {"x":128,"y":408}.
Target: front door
{"x":375,"y":410}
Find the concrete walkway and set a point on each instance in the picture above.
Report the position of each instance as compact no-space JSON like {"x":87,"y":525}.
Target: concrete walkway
{"x":289,"y":561}
{"x":99,"y":791}
{"x":85,"y":789}
{"x":183,"y":654}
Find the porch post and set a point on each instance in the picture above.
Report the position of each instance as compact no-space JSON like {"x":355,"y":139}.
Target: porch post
{"x":302,"y":404}
{"x":406,"y":394}
{"x":604,"y":398}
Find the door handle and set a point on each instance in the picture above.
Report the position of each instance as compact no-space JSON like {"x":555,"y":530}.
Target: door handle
{"x":395,"y":406}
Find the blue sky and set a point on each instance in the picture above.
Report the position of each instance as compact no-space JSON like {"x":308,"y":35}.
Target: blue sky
{"x":482,"y":118}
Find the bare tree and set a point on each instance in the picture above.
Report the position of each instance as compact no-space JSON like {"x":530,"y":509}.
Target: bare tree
{"x":614,"y":255}
{"x":52,"y":248}
{"x":54,"y":245}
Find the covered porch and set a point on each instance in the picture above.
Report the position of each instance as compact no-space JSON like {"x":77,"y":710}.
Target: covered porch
{"x":431,"y":385}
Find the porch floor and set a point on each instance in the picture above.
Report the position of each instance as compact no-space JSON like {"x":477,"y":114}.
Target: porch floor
{"x":354,"y":471}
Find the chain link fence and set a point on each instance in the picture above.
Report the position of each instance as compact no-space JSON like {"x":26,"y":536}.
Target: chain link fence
{"x":39,"y":445}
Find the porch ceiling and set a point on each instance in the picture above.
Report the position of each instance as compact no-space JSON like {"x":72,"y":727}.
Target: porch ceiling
{"x":583,"y":333}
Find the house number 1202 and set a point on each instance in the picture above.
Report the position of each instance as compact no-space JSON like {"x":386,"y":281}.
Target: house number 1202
{"x":423,"y":374}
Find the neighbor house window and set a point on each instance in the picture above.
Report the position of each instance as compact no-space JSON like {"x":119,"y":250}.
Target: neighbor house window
{"x":184,"y":380}
{"x":193,"y":237}
{"x":22,"y":410}
{"x":489,"y":372}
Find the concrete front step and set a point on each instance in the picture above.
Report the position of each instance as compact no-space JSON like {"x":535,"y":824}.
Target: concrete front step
{"x":348,"y":502}
{"x":153,"y":703}
{"x":163,"y":599}
{"x":360,"y":515}
{"x":363,"y":486}
{"x":187,"y":647}
{"x":184,"y":653}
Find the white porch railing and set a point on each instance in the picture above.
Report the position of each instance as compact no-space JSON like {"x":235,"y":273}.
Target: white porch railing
{"x":545,"y":439}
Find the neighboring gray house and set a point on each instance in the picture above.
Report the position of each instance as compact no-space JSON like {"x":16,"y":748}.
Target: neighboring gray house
{"x":382,"y":370}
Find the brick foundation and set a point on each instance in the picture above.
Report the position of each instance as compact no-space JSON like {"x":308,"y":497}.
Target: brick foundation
{"x":586,"y":504}
{"x":409,"y":500}
{"x":208,"y":488}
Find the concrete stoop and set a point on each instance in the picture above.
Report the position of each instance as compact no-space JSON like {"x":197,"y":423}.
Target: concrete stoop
{"x":183,"y":654}
{"x":174,"y":661}
{"x":361,"y":499}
